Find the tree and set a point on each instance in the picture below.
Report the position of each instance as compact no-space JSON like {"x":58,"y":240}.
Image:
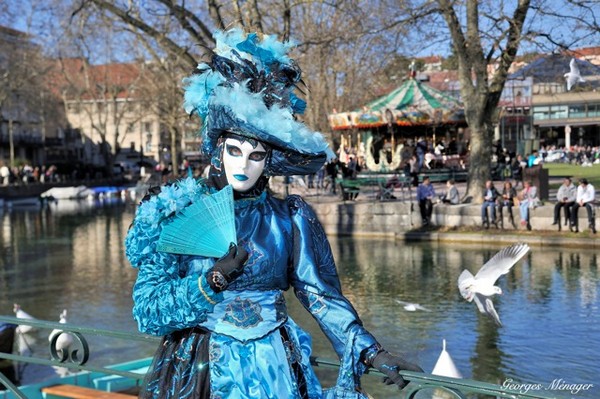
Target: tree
{"x":340,"y":45}
{"x":486,"y":34}
{"x":22,"y":69}
{"x":100,"y":97}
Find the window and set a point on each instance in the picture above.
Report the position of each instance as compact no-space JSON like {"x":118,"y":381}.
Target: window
{"x":559,"y":112}
{"x":148,"y":127}
{"x":541,"y":113}
{"x":577,"y":111}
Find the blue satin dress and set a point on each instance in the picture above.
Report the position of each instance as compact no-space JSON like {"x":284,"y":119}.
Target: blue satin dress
{"x":241,"y":342}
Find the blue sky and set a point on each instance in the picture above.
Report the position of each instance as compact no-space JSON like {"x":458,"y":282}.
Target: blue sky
{"x":40,"y":21}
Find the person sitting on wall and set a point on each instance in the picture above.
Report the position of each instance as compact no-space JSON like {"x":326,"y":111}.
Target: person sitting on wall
{"x":489,"y":201}
{"x":451,"y":195}
{"x":585,"y":197}
{"x":528,"y":200}
{"x":507,"y":200}
{"x":566,"y":196}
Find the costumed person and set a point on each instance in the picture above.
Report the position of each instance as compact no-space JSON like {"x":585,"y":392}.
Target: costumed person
{"x":226,"y":332}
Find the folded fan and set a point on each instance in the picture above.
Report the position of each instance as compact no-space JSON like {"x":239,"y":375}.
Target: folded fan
{"x":205,"y":228}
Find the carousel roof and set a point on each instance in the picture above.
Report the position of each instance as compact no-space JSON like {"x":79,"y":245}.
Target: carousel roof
{"x":412,"y":103}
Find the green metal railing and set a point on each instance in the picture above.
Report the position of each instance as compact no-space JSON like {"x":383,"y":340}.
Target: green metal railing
{"x":78,"y":356}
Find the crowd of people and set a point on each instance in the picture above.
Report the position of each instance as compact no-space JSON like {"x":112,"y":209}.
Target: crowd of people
{"x":569,"y":199}
{"x":26,"y":174}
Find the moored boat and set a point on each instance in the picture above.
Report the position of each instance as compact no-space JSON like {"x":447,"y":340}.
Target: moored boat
{"x":71,"y":192}
{"x":101,"y":384}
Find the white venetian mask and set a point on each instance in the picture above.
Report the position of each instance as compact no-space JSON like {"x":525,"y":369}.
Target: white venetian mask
{"x":244,"y":164}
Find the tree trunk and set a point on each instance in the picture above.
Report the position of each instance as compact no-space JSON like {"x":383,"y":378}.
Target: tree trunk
{"x":174,"y":150}
{"x":480,"y":156}
{"x":11,"y":143}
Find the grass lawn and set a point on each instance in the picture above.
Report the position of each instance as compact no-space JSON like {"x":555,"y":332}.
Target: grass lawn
{"x":575,"y":171}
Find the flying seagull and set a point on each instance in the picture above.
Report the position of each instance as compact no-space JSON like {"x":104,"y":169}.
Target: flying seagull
{"x":573,"y":76}
{"x":481,"y":286}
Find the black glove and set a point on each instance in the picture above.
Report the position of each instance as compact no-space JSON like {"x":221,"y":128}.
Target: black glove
{"x":227,"y":269}
{"x":390,"y":365}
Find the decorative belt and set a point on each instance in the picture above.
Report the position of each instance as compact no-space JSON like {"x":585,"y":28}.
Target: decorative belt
{"x":247,"y":315}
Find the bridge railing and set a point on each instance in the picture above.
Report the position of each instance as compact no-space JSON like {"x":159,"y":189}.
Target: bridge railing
{"x":79,"y":354}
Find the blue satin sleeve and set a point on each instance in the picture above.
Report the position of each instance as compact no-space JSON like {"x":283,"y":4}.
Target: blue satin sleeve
{"x":317,"y":285}
{"x":165,"y":297}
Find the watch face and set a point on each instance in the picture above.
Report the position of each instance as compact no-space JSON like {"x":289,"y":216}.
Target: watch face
{"x":244,"y":163}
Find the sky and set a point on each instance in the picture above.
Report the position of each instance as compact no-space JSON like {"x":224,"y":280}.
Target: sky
{"x":33,"y":16}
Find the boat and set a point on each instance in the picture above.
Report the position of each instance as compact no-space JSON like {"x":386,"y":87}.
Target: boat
{"x":71,"y":192}
{"x":7,"y":338}
{"x":100,"y":384}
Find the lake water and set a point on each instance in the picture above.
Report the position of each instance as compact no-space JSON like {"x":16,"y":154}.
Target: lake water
{"x":70,"y":256}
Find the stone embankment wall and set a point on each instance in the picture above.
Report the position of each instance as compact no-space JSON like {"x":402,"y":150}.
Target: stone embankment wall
{"x":396,"y":218}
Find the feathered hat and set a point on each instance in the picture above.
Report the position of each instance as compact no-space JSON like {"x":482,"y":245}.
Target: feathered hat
{"x":247,"y":89}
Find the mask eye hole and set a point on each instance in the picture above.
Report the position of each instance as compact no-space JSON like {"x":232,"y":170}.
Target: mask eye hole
{"x":233,"y":150}
{"x":257,"y":156}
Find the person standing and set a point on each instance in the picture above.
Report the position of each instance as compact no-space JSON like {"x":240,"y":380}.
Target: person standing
{"x":5,"y":174}
{"x":585,"y":198}
{"x":490,"y":195}
{"x":425,"y":196}
{"x":332,"y":172}
{"x":225,"y":328}
{"x":566,"y":196}
{"x":414,"y":170}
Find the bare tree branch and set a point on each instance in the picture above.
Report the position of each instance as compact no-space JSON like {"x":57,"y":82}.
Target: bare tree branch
{"x":160,"y":37}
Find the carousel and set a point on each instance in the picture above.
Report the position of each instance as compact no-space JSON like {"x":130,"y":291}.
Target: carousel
{"x":380,"y":130}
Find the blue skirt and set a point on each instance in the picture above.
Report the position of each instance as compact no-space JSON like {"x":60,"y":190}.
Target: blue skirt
{"x":197,"y":363}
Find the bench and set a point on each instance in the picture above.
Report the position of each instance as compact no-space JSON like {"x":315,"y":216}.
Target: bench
{"x":387,"y":187}
{"x":443,"y":175}
{"x":349,"y":189}
{"x":77,"y":392}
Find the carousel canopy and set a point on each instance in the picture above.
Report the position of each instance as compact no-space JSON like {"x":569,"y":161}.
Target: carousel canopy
{"x":413,"y":103}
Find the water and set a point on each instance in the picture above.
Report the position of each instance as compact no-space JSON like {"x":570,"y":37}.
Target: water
{"x":71,"y":257}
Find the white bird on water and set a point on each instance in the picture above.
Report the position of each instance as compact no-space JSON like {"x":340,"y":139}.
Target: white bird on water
{"x":65,"y":340}
{"x":573,"y":76}
{"x":21,"y":314}
{"x":412,"y":307}
{"x":445,"y":365}
{"x":481,"y":286}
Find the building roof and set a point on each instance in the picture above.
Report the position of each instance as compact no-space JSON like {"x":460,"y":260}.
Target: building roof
{"x":552,"y":68}
{"x":76,"y":79}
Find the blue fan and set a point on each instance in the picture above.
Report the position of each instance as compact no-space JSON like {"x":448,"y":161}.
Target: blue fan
{"x":205,"y":228}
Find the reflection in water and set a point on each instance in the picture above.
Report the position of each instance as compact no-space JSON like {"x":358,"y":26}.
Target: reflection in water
{"x":71,"y":257}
